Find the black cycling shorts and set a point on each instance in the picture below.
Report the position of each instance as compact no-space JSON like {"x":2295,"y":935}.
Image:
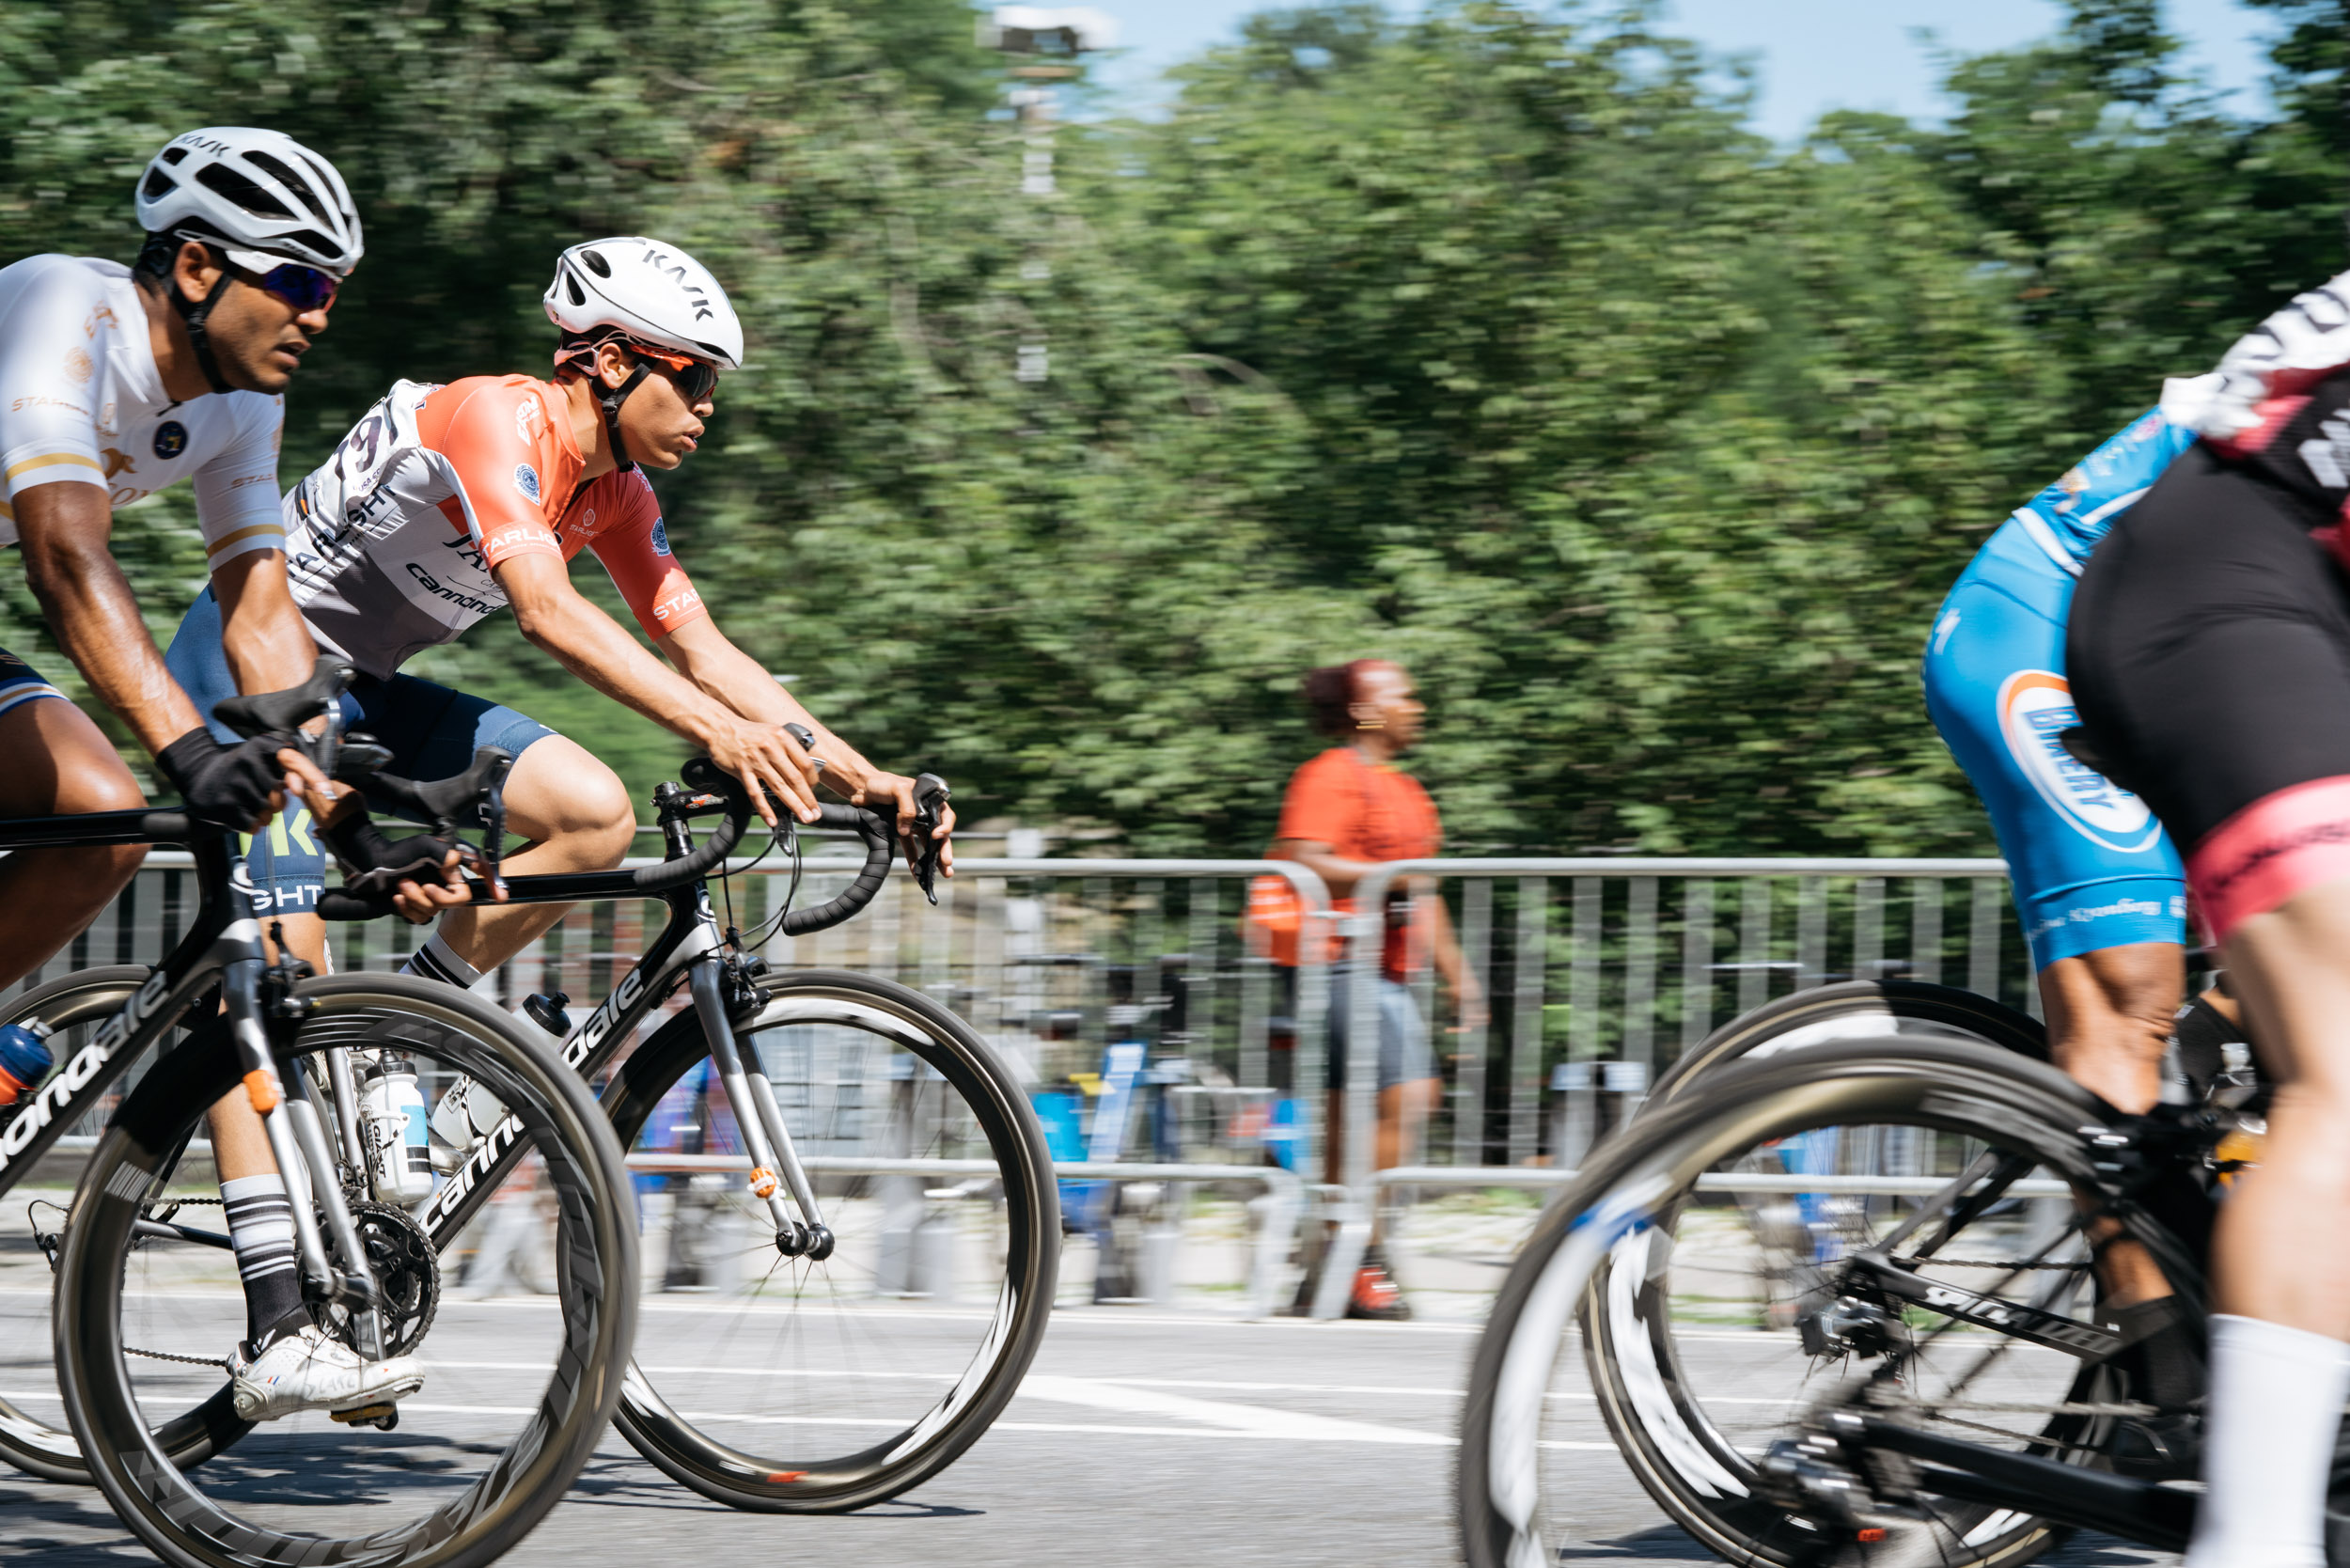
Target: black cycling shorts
{"x":2209,"y":654}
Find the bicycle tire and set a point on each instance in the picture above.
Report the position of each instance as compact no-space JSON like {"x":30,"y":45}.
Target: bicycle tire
{"x":826,"y":1483}
{"x":1856,"y":1009}
{"x":1567,"y":1272}
{"x":29,"y":1441}
{"x":167,"y":1509}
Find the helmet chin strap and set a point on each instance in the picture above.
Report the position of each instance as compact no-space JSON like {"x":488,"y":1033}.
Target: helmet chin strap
{"x":191,"y":315}
{"x":610,"y":399}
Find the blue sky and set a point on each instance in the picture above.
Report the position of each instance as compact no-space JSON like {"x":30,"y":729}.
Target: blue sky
{"x":1814,"y":54}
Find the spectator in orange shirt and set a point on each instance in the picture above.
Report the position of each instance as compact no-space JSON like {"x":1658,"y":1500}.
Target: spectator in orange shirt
{"x":1343,"y":812}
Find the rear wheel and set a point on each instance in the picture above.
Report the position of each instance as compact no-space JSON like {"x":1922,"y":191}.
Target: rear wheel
{"x":1705,"y":1240}
{"x":34,"y":1436}
{"x":515,"y":1394}
{"x":800,"y":1387}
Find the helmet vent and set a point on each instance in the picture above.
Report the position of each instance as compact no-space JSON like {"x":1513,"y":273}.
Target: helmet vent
{"x":309,"y":239}
{"x":571,"y":286}
{"x":713,"y":350}
{"x":596,"y":263}
{"x":292,"y":181}
{"x":157,"y":184}
{"x":240,"y":190}
{"x":173,"y":155}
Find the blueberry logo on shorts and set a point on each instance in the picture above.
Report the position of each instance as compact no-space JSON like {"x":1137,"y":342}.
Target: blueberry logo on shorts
{"x":171,"y":439}
{"x":526,"y":480}
{"x":660,"y":536}
{"x":2035,"y":708}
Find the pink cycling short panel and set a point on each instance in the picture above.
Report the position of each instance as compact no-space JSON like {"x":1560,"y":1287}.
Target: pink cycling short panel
{"x":2281,"y":845}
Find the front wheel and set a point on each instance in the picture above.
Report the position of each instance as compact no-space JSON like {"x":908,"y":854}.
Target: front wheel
{"x":1717,"y":1260}
{"x":515,"y":1394}
{"x":797,"y":1386}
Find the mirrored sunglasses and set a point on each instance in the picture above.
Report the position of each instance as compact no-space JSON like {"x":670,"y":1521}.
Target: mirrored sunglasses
{"x":305,"y":288}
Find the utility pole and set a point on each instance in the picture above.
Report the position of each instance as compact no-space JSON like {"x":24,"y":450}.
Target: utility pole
{"x":1042,"y":47}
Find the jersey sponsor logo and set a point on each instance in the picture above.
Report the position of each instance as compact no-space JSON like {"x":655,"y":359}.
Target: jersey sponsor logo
{"x":440,"y":590}
{"x":171,"y":439}
{"x":670,"y":608}
{"x":22,"y":403}
{"x":660,"y":536}
{"x":527,"y":414}
{"x":526,"y":480}
{"x":78,"y":366}
{"x":117,"y":463}
{"x":2035,"y":708}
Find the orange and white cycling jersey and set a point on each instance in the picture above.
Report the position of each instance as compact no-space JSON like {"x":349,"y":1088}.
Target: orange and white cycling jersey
{"x":393,"y":541}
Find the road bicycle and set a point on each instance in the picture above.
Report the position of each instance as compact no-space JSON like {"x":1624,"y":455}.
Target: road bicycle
{"x":876,"y":1240}
{"x":146,"y":1300}
{"x":1836,"y":1303}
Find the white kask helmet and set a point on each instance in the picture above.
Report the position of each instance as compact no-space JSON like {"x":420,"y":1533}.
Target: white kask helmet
{"x":648,"y":293}
{"x":261,"y":196}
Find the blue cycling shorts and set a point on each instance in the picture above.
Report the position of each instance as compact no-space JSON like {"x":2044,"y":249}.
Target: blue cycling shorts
{"x":19,"y":683}
{"x":2090,"y":866}
{"x":430,"y":732}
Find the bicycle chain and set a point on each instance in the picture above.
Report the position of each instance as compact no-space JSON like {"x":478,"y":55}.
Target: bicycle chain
{"x":1983,"y":1262}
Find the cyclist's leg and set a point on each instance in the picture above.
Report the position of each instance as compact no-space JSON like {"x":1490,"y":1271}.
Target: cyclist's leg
{"x":58,"y":760}
{"x":2211,"y":654}
{"x":571,"y":809}
{"x":288,"y":870}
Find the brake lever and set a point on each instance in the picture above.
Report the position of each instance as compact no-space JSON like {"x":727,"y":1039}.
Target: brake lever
{"x":930,"y":795}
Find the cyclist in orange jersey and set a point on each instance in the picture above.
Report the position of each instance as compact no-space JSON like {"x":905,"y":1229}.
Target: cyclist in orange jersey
{"x":444,"y":504}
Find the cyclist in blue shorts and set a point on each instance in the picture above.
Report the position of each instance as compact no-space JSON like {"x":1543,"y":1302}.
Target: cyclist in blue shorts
{"x":2099,"y":888}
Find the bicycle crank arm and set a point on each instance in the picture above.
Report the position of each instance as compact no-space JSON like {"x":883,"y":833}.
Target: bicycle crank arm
{"x":2141,"y":1511}
{"x":793,"y":1238}
{"x":2011,"y":1318}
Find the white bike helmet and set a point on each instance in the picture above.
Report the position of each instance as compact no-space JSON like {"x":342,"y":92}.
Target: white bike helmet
{"x":252,"y":190}
{"x":647,"y":293}
{"x":640,"y":292}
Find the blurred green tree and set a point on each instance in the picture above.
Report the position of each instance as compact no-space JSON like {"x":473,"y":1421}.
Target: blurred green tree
{"x":1489,"y":340}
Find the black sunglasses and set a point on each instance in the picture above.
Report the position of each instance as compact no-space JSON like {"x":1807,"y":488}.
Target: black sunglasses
{"x":694,"y":379}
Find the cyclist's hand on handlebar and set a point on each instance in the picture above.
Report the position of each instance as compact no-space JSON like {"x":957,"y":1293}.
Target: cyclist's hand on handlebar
{"x":420,"y":901}
{"x":885,"y":792}
{"x":241,"y":786}
{"x":766,"y":760}
{"x":305,"y":781}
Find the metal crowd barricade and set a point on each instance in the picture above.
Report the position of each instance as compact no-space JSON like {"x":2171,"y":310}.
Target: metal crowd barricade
{"x":1597,"y":971}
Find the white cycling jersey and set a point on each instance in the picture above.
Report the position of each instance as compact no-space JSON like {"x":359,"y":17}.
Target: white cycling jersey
{"x":81,"y":400}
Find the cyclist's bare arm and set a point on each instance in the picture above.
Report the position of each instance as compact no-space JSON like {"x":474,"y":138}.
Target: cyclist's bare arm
{"x":267,"y":647}
{"x":594,"y":647}
{"x":707,"y":658}
{"x":65,"y":529}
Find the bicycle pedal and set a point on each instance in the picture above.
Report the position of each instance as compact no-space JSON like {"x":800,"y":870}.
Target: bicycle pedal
{"x":382,"y":1417}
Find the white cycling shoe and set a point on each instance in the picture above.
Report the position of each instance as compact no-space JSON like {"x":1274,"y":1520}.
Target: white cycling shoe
{"x":306,"y":1371}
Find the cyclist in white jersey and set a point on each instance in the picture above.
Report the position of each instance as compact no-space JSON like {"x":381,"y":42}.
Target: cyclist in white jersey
{"x":446,"y":504}
{"x":116,"y":382}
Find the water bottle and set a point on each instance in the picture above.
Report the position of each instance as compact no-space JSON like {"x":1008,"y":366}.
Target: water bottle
{"x":24,"y":1058}
{"x":465,"y":1112}
{"x":400,"y":1155}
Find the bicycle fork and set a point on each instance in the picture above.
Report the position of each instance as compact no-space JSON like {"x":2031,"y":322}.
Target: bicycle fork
{"x":297,"y":1141}
{"x":765,"y":1137}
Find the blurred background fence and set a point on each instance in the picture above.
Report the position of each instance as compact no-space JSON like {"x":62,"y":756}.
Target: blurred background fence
{"x":1598,"y":972}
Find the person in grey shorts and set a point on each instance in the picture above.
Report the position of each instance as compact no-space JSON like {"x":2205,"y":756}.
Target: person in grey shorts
{"x":1345,"y":812}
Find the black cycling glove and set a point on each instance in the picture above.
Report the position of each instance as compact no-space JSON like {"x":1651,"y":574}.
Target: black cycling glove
{"x":226,"y":786}
{"x":373,"y":864}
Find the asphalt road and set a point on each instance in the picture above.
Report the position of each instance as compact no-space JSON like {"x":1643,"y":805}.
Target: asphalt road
{"x":1143,"y":1438}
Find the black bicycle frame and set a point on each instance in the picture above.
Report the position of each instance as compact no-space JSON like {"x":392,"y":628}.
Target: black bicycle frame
{"x":224,"y":933}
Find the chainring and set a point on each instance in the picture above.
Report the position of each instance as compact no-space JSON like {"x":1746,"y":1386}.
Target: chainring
{"x":407,"y":1272}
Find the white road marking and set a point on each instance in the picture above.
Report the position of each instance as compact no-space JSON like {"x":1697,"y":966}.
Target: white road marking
{"x":1249,"y":1419}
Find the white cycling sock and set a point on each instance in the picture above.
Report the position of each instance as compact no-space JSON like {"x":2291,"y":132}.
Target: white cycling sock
{"x":436,"y":960}
{"x":2268,"y":1445}
{"x":260,"y":1230}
